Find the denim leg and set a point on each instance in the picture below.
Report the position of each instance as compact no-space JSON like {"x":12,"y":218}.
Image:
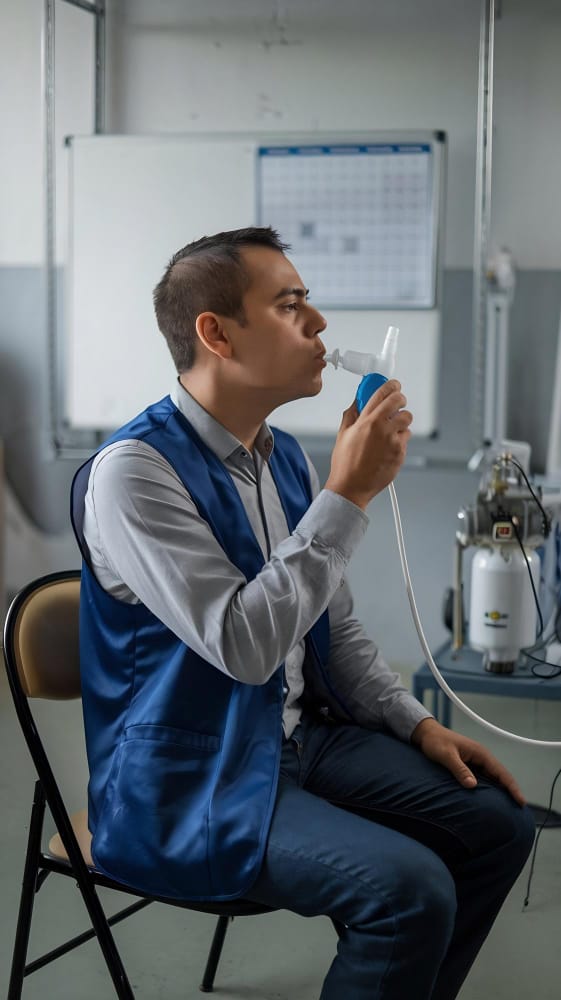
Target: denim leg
{"x":395,"y":896}
{"x":483,"y":881}
{"x":482,"y":836}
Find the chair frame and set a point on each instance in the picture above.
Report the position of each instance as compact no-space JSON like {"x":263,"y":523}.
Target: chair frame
{"x":39,"y":864}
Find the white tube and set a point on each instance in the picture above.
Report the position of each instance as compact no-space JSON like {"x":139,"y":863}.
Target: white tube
{"x":389,"y":350}
{"x":426,"y":650}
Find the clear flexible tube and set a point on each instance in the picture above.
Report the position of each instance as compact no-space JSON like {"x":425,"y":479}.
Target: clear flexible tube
{"x":426,"y":650}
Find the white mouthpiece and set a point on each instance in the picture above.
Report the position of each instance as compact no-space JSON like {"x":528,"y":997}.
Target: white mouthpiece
{"x":334,"y":357}
{"x":364,"y":364}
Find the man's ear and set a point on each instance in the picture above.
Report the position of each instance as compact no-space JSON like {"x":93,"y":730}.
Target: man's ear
{"x":213,"y":334}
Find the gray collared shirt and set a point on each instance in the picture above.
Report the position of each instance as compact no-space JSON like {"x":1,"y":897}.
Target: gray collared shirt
{"x":148,"y":543}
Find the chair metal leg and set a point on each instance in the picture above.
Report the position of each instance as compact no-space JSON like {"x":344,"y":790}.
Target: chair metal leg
{"x":30,"y":884}
{"x":106,"y":940}
{"x":28,"y":889}
{"x":214,"y":954}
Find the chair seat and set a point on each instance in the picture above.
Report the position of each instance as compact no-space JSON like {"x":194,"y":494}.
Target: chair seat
{"x":79,"y":820}
{"x":80,"y":826}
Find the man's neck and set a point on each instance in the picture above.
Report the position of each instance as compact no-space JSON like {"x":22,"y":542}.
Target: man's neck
{"x":236,"y":411}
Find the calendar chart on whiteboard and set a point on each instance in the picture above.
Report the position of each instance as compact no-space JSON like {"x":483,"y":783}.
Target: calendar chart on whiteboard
{"x":361,"y":220}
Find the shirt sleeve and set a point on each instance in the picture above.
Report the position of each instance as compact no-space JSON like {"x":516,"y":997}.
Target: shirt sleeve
{"x":361,"y":675}
{"x":372,"y":691}
{"x":148,"y":542}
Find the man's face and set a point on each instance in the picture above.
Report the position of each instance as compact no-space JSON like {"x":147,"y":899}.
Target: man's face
{"x":278,"y":348}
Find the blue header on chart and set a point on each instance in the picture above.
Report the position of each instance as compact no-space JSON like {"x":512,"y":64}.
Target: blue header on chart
{"x":367,"y":149}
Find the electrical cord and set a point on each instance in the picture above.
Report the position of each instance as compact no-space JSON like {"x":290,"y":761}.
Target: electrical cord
{"x":514,"y":523}
{"x":538,"y":835}
{"x":546,"y":519}
{"x":556,"y":666}
{"x":426,"y":649}
{"x":551,"y":627}
{"x":545,"y":663}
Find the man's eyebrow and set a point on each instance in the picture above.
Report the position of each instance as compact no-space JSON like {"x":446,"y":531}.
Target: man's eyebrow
{"x":302,"y":293}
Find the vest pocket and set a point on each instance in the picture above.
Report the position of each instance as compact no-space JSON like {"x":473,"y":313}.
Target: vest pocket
{"x":169,"y":734}
{"x":153,"y":829}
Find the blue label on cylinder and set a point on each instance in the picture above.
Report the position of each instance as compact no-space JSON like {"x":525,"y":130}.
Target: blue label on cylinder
{"x":367,"y":388}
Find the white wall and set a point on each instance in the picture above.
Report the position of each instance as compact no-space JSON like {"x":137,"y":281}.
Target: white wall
{"x":22,"y":118}
{"x":380,"y":71}
{"x":230,"y":64}
{"x":245,"y":64}
{"x":20,"y":163}
{"x":526,"y":203}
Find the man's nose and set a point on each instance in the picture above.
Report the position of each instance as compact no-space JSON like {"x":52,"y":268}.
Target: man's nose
{"x":316,"y":323}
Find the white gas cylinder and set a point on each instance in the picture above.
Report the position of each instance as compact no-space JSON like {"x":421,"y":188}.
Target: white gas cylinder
{"x":502,"y":606}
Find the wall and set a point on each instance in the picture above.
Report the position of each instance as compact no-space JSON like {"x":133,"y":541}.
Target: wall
{"x":37,"y":535}
{"x":244,"y":64}
{"x":337,"y":68}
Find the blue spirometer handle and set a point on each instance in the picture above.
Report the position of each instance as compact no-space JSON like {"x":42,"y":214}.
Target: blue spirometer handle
{"x":367,"y":387}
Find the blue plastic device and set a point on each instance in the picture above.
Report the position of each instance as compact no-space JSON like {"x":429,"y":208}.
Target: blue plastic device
{"x":367,"y":387}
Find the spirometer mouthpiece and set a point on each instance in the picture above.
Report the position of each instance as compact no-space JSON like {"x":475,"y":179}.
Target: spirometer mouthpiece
{"x":366,"y":364}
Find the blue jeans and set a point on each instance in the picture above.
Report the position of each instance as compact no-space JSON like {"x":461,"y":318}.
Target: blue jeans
{"x":370,"y":832}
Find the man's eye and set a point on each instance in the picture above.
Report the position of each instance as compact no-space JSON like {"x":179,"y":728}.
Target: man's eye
{"x":291,"y":306}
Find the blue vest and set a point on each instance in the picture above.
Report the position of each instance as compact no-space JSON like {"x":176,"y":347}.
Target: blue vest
{"x":183,"y":759}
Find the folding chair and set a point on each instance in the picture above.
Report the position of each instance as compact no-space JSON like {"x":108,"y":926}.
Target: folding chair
{"x":41,"y":655}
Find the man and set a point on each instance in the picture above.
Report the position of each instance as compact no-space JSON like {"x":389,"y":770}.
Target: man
{"x":245,"y":736}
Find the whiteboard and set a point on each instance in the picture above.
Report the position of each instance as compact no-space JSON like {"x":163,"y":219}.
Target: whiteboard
{"x":134,"y":201}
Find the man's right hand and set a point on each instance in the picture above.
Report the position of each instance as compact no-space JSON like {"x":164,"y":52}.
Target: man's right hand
{"x":370,"y":446}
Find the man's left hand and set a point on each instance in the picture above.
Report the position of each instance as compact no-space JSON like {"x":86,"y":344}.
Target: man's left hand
{"x":456,"y":752}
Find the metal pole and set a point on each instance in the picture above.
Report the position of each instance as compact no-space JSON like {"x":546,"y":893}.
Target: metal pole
{"x":55,"y":349}
{"x":496,"y":367}
{"x":457,"y":602}
{"x":100,"y":21}
{"x":48,"y":58}
{"x":483,"y":177}
{"x":98,"y":10}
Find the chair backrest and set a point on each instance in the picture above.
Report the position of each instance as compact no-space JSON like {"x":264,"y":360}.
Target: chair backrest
{"x":41,"y":644}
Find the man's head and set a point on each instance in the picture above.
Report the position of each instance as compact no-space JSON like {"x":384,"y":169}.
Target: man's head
{"x":238,"y":322}
{"x":208,"y":275}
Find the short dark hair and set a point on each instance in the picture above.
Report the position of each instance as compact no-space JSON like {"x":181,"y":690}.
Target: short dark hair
{"x":208,"y":274}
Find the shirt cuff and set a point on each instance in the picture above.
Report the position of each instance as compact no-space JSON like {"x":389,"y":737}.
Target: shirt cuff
{"x":334,"y":521}
{"x":404,"y":716}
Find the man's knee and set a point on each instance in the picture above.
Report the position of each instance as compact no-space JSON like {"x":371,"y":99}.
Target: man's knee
{"x":506,"y":825}
{"x":426,"y":893}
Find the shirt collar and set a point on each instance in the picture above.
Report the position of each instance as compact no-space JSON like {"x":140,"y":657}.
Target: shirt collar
{"x":220,"y":440}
